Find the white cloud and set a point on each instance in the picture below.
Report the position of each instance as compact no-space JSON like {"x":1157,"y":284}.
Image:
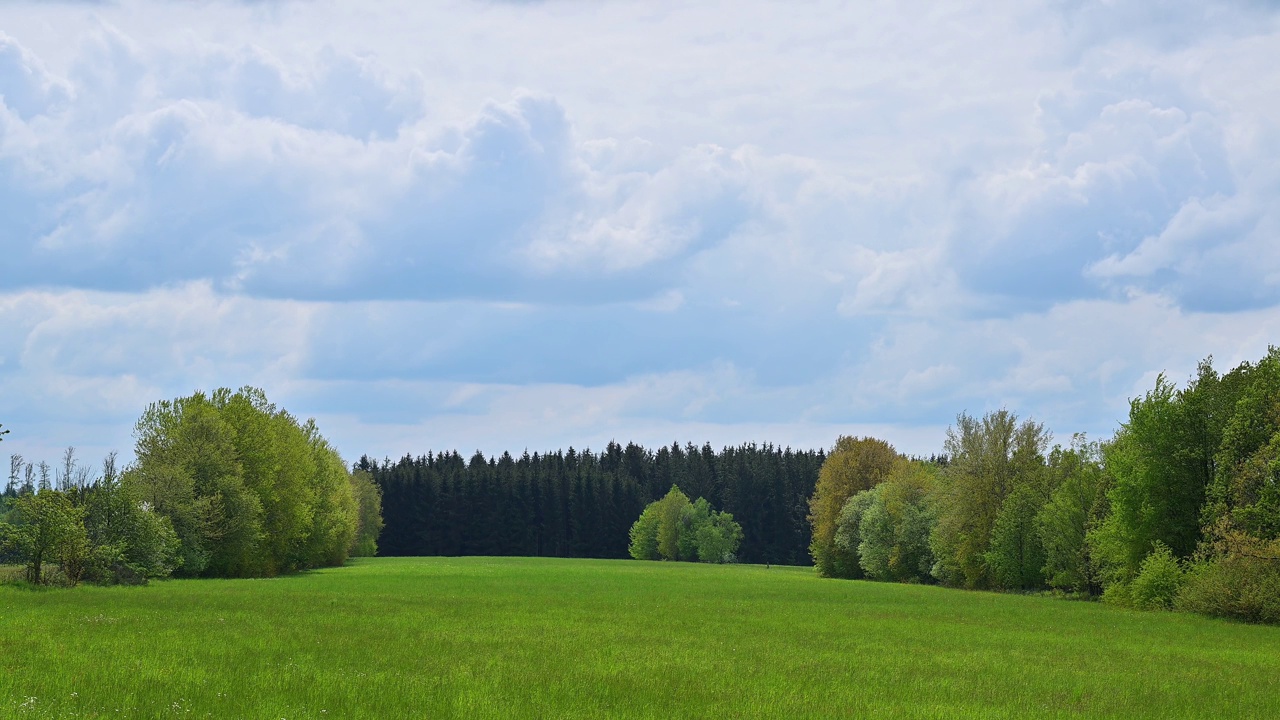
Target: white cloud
{"x":554,"y":223}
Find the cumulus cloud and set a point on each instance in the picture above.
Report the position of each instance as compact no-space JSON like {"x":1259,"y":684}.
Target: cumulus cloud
{"x":544,"y":222}
{"x":328,"y":182}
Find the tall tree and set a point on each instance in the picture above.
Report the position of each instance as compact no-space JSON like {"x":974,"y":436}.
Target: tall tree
{"x":1162,"y":460}
{"x":1077,"y":507}
{"x":856,"y":464}
{"x":989,"y":459}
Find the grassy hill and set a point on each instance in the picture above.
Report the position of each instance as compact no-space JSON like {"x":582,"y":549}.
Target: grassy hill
{"x":516,"y":637}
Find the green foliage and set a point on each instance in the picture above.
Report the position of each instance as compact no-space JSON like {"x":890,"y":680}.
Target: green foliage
{"x":644,"y":535}
{"x":855,"y":465}
{"x":247,"y":489}
{"x":1162,"y":460}
{"x":888,"y":527}
{"x":675,"y":529}
{"x":1159,"y":579}
{"x":848,"y":537}
{"x":990,"y":459}
{"x":718,"y":538}
{"x":1246,"y":485}
{"x":1118,"y":593}
{"x":1241,"y":586}
{"x":671,"y":510}
{"x":1016,"y":557}
{"x":333,"y":514}
{"x":1075,"y":508}
{"x":46,"y":527}
{"x":369,"y":524}
{"x":692,"y":518}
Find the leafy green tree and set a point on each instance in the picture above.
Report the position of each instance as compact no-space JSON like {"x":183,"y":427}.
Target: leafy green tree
{"x":1245,"y":492}
{"x":856,"y":464}
{"x":848,"y":538}
{"x":128,"y":541}
{"x":1077,"y":507}
{"x":896,"y":525}
{"x":1236,"y":569}
{"x":673,"y":528}
{"x":718,"y":538}
{"x":989,"y":459}
{"x":1239,"y":577}
{"x":369,"y":523}
{"x":693,"y":518}
{"x":1162,"y":461}
{"x":248,"y":490}
{"x":644,"y":535}
{"x":334,"y":514}
{"x":1016,"y":556}
{"x":1159,"y":580}
{"x":47,"y":527}
{"x":671,"y":510}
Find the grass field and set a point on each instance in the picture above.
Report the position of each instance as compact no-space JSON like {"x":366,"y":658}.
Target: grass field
{"x":498,"y":637}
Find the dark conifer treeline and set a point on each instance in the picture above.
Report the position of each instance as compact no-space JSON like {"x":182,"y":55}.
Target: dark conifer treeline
{"x":582,"y":504}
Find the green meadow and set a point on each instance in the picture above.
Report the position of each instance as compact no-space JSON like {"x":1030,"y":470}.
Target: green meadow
{"x":547,"y":638}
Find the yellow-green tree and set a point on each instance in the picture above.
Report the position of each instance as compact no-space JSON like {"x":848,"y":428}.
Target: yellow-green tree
{"x":675,"y":529}
{"x":670,"y":512}
{"x":368,"y":514}
{"x":990,"y":459}
{"x":249,"y":490}
{"x":856,"y":464}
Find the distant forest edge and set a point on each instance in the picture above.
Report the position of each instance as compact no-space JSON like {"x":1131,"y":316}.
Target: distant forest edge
{"x":1180,"y":509}
{"x":583,"y":504}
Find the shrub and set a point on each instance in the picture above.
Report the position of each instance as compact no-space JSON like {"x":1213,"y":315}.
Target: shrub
{"x":1159,"y":579}
{"x":1118,"y":594}
{"x":1246,"y":588}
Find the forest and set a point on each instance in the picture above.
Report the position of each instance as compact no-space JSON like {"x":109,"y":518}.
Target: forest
{"x":582,"y":504}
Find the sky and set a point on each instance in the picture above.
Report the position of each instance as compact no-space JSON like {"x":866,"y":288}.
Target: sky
{"x":533,"y":225}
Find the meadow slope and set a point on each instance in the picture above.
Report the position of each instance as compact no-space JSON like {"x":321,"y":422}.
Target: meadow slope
{"x":517,"y":637}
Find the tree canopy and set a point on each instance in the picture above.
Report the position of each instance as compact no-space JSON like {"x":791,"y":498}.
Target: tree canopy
{"x":673,"y":528}
{"x":223,"y":485}
{"x":855,"y":465}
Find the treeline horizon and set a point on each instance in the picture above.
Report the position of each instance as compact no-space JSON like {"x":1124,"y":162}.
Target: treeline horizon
{"x":583,"y":503}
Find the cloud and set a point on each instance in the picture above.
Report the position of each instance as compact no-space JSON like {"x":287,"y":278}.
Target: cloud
{"x":228,"y":168}
{"x":548,"y":224}
{"x":28,"y":88}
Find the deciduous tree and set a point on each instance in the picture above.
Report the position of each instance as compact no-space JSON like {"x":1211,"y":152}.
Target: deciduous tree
{"x":856,"y":464}
{"x":989,"y":459}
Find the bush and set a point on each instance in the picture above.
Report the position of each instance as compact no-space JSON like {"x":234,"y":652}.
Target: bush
{"x":1241,"y":587}
{"x":1118,"y":594}
{"x":1159,"y":579}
